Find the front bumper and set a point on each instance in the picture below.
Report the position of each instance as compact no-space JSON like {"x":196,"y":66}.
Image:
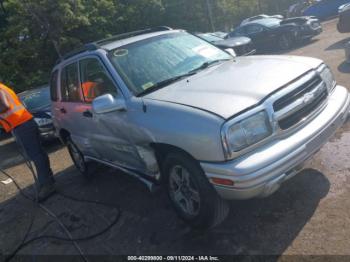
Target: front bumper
{"x":261,"y":173}
{"x":311,"y":32}
{"x":47,"y":132}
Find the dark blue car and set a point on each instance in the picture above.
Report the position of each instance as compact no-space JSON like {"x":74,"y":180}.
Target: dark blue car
{"x":324,"y":9}
{"x":38,"y":103}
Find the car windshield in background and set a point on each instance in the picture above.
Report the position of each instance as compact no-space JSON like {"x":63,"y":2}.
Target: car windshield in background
{"x":145,"y":64}
{"x":36,"y":99}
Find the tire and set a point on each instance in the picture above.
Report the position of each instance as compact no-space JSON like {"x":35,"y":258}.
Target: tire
{"x":78,"y":159}
{"x":285,"y":42}
{"x":194,"y":198}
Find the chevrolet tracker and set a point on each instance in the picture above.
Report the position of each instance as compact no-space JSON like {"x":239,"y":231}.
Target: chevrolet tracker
{"x":175,"y":111}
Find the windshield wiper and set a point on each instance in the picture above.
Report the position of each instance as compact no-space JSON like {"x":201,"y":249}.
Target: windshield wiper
{"x":207,"y":64}
{"x":171,"y":80}
{"x":164,"y":83}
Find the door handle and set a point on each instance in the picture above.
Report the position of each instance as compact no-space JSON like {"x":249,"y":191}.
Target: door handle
{"x":63,"y":110}
{"x":87,"y":113}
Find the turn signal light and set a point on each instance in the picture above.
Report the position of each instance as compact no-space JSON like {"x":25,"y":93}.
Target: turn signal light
{"x":222,"y":181}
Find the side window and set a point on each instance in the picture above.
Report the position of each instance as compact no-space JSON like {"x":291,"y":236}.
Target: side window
{"x":53,"y":86}
{"x":70,"y":87}
{"x":253,"y":29}
{"x":95,"y":80}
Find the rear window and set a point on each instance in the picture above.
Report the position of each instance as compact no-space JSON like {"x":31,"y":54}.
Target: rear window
{"x":70,"y":86}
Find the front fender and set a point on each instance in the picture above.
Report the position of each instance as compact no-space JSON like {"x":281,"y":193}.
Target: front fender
{"x":193,"y":130}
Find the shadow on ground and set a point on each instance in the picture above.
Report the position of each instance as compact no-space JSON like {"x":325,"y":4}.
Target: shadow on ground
{"x":338,"y":45}
{"x":295,"y":47}
{"x":148,"y":224}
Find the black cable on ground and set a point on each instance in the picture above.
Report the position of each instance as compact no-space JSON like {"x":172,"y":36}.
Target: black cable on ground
{"x":49,"y":212}
{"x":25,"y":242}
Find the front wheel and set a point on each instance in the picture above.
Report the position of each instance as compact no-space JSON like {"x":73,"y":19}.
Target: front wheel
{"x":191,"y":194}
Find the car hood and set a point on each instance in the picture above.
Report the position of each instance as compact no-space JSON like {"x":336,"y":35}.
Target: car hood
{"x":234,"y":41}
{"x":43,"y":112}
{"x":232,"y":87}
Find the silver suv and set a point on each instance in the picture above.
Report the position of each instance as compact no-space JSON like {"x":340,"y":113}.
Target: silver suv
{"x":174,"y":110}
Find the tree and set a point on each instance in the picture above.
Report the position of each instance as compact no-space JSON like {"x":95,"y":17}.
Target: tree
{"x":35,"y":33}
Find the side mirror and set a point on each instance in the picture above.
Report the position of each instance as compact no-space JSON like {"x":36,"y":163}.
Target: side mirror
{"x":231,"y":52}
{"x":107,"y":103}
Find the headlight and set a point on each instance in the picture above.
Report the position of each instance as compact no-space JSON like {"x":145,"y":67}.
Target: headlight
{"x":43,"y":121}
{"x":327,"y":77}
{"x":247,"y":132}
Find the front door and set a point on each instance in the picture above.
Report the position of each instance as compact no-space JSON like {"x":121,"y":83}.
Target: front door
{"x":259,"y":36}
{"x":110,"y":132}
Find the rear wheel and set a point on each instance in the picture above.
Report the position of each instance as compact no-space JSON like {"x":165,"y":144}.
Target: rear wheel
{"x":191,"y":194}
{"x":78,"y":158}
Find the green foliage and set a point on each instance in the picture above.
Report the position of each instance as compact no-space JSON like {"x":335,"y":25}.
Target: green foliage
{"x":35,"y":33}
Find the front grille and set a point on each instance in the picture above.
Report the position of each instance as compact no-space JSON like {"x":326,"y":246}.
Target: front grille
{"x":295,"y":118}
{"x":297,"y":93}
{"x":307,"y":109}
{"x":243,"y":49}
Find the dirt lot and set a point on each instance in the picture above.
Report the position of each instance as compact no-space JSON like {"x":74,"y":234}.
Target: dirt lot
{"x":310,"y":215}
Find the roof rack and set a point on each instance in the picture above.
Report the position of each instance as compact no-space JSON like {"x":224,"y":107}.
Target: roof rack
{"x":131,"y":34}
{"x":96,"y":45}
{"x":84,"y":48}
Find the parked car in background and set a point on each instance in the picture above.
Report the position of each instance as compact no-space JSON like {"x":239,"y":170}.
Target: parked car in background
{"x":259,"y":17}
{"x":324,"y":9}
{"x":344,"y":19}
{"x":241,"y":45}
{"x":175,"y":111}
{"x":309,"y":26}
{"x":38,"y":103}
{"x":272,"y":33}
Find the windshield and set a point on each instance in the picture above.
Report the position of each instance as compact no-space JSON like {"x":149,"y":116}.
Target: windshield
{"x":35,"y":100}
{"x":144,"y":64}
{"x":209,"y":37}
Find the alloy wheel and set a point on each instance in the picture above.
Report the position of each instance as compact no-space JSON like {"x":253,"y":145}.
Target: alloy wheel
{"x":183,"y":191}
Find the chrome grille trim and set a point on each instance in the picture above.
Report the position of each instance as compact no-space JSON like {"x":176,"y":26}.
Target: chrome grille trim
{"x":301,"y":102}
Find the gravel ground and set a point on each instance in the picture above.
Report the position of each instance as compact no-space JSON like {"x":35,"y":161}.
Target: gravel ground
{"x":309,"y":215}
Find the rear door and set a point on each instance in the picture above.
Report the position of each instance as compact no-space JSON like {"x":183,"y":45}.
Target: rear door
{"x":71,"y":108}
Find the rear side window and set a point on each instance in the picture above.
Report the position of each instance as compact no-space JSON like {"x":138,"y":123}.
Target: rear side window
{"x":95,"y":79}
{"x":70,"y":86}
{"x":53,"y":86}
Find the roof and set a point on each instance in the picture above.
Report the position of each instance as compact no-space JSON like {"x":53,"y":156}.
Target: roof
{"x":268,"y":22}
{"x":118,"y":40}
